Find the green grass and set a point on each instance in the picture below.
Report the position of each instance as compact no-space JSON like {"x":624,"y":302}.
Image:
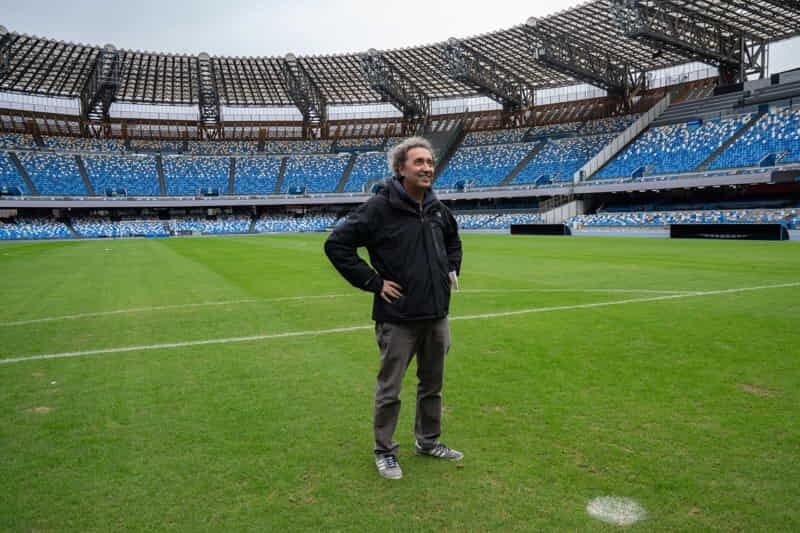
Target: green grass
{"x":687,"y":405}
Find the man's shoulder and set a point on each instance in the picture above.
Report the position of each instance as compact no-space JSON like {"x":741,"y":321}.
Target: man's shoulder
{"x":376,"y":201}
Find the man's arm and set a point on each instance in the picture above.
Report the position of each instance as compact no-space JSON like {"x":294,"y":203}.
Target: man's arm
{"x":453,"y":244}
{"x":341,"y":249}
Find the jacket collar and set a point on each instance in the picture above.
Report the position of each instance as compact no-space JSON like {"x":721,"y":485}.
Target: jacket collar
{"x":398,"y":196}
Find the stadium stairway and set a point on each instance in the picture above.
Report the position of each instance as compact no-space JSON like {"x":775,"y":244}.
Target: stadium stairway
{"x":346,"y":174}
{"x":232,"y":176}
{"x":37,"y":137}
{"x":84,"y":175}
{"x":23,"y":173}
{"x":625,"y":138}
{"x":160,"y":169}
{"x":281,"y":175}
{"x":72,"y":230}
{"x":732,"y":139}
{"x":445,"y":144}
{"x":522,"y":164}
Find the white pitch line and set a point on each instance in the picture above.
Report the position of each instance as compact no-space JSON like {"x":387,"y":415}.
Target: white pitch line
{"x":610,"y":291}
{"x":346,"y":329}
{"x":131,"y":310}
{"x":184,"y":344}
{"x":163,"y":308}
{"x":624,"y":302}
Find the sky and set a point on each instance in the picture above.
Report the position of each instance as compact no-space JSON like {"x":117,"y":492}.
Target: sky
{"x":267,"y":28}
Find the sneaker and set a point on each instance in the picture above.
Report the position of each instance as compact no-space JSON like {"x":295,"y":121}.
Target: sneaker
{"x":440,"y":451}
{"x":388,"y":466}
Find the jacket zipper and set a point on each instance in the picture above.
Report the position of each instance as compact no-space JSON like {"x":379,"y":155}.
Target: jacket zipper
{"x":431,"y":272}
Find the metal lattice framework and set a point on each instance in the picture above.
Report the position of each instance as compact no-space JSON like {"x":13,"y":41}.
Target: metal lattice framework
{"x":495,"y":80}
{"x":396,"y":88}
{"x":699,"y":37}
{"x":39,"y":66}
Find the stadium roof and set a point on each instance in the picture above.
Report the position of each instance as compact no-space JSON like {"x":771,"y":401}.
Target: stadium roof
{"x":51,"y":68}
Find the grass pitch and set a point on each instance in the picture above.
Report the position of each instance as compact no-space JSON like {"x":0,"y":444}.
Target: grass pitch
{"x":686,"y":403}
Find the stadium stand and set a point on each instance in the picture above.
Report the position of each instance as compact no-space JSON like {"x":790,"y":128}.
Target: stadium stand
{"x":221,"y":148}
{"x":314,"y":173}
{"x":673,"y":148}
{"x":34,"y":228}
{"x":257,"y":175}
{"x":788,"y":217}
{"x":283,"y":224}
{"x":561,"y":158}
{"x":502,"y":136}
{"x":136,"y":174}
{"x":186,"y":176}
{"x":361,"y":144}
{"x":369,"y":166}
{"x":590,"y":127}
{"x":12,"y":141}
{"x":9,"y":176}
{"x":53,"y":174}
{"x":480,"y":166}
{"x":777,"y":132}
{"x":103,"y":227}
{"x":79,"y":144}
{"x":221,"y":225}
{"x":298,"y":147}
{"x":495,"y":220}
{"x":97,"y":228}
{"x":147,"y":145}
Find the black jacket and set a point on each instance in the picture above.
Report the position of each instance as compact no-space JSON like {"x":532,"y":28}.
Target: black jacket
{"x":412,"y":245}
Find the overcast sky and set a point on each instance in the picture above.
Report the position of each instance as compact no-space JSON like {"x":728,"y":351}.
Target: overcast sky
{"x":266,"y":28}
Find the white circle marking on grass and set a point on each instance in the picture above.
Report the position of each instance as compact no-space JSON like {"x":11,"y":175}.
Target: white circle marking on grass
{"x":616,"y":510}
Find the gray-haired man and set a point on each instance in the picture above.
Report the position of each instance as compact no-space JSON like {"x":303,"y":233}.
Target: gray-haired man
{"x":415,"y":252}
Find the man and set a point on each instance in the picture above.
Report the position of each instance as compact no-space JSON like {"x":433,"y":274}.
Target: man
{"x":415,"y":252}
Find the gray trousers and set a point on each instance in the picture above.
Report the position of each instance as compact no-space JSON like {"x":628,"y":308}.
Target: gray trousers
{"x":429,"y":340}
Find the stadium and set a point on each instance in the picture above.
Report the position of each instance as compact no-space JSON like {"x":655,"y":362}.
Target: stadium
{"x":624,"y":341}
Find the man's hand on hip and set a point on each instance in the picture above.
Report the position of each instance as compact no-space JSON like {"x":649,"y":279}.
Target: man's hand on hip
{"x":391,"y":291}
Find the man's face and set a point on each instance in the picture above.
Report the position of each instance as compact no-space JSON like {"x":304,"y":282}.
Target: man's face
{"x":418,"y":169}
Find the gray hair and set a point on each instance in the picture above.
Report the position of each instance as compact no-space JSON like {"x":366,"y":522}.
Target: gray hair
{"x":398,"y":155}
